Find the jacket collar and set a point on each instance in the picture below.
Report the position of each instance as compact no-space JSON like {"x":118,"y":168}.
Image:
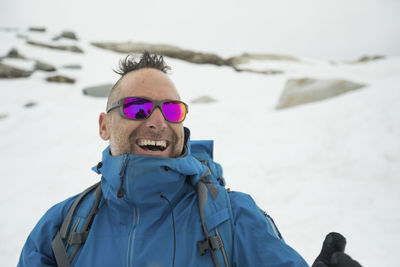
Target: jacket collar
{"x":144,"y":178}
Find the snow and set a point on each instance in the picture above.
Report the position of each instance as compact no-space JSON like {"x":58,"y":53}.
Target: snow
{"x":326,"y":166}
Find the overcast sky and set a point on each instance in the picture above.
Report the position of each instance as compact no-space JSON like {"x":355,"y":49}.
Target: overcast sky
{"x":340,"y":29}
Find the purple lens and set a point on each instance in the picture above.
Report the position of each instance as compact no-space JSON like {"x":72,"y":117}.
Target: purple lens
{"x":137,"y":108}
{"x":174,"y":111}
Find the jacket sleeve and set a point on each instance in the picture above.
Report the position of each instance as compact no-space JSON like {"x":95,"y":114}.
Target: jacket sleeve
{"x":255,"y":240}
{"x":37,"y":250}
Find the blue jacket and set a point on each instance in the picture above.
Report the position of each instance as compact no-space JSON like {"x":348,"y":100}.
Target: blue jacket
{"x":136,"y":230}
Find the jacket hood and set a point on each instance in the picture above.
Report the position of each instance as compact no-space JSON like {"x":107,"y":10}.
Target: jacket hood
{"x":144,"y":178}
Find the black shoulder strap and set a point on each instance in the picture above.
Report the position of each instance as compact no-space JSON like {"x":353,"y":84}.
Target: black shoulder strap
{"x":61,"y":241}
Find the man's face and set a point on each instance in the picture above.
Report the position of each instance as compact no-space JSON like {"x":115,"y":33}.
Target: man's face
{"x":129,"y":136}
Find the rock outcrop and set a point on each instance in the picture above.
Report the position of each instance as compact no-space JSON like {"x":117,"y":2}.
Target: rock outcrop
{"x":302,"y":91}
{"x":7,"y":71}
{"x":60,"y":79}
{"x":71,"y":48}
{"x":22,"y":36}
{"x":99,"y":90}
{"x":163,"y":49}
{"x":66,"y":34}
{"x":72,"y":66}
{"x":37,"y":29}
{"x":247,"y":57}
{"x":8,"y":29}
{"x":195,"y":57}
{"x":368,"y":59}
{"x":39,"y":65}
{"x":14,"y":53}
{"x":30,"y":104}
{"x":203,"y":100}
{"x":267,"y":72}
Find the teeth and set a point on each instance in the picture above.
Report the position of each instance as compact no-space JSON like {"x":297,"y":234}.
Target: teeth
{"x":145,"y":142}
{"x":161,"y":143}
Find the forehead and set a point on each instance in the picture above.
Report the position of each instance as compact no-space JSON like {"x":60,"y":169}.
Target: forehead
{"x":147,"y":82}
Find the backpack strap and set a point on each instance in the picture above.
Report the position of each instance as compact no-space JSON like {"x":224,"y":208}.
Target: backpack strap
{"x":67,"y":243}
{"x":214,"y":207}
{"x":214,"y":211}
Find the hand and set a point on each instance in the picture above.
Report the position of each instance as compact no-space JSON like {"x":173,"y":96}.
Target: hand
{"x":332,"y":253}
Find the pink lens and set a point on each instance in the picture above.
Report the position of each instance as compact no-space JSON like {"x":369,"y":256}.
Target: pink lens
{"x":137,"y":108}
{"x":174,"y":111}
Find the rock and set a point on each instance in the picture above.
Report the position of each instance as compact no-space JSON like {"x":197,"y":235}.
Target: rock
{"x":8,"y":29}
{"x":368,"y":58}
{"x":44,"y":66}
{"x":66,"y":34}
{"x":163,"y":49}
{"x":22,"y":36}
{"x":72,"y":66}
{"x":60,"y":79}
{"x":203,"y":100}
{"x":301,"y":91}
{"x":193,"y":56}
{"x":13,"y":53}
{"x":3,"y":116}
{"x":7,"y":71}
{"x":247,"y":57}
{"x":37,"y":29}
{"x":267,"y":72}
{"x":71,"y":48}
{"x":30,"y":104}
{"x":99,"y":90}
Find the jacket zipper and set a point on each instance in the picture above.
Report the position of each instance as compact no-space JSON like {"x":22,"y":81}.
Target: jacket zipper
{"x":131,"y":239}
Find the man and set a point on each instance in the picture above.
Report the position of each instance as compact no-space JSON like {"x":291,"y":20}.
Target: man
{"x":149,"y":173}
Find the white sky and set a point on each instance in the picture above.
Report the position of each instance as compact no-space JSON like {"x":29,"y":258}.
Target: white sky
{"x":342,"y":29}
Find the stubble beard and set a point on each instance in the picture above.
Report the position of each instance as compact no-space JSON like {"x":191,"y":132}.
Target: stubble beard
{"x":121,"y":145}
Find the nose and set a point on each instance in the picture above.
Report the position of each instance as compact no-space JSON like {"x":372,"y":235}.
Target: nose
{"x":156,"y":120}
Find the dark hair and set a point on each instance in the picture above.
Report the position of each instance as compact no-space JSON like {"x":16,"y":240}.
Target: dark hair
{"x":129,"y":64}
{"x":147,"y":60}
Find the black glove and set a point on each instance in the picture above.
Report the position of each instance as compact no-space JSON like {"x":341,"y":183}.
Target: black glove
{"x":332,"y":253}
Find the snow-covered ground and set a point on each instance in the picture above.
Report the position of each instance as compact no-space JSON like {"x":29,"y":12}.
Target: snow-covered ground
{"x":327,"y":166}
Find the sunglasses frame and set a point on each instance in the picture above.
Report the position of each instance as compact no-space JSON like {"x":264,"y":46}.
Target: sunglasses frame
{"x":156,"y":104}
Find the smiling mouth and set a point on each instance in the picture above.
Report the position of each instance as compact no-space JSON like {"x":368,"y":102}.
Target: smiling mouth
{"x":151,"y":145}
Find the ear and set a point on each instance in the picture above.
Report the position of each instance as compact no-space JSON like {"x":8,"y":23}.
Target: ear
{"x":104,"y":126}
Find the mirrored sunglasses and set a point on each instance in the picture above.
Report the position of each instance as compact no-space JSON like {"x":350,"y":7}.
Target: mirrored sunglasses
{"x":139,"y":108}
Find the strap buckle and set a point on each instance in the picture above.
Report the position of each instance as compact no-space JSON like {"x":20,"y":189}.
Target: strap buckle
{"x":78,"y":237}
{"x":212,"y":243}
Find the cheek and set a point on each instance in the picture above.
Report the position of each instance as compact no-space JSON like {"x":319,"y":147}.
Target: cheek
{"x":122,"y":129}
{"x":178,"y":130}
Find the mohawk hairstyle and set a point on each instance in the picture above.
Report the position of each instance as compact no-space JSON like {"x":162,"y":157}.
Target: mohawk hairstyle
{"x":147,"y":60}
{"x":129,"y":64}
